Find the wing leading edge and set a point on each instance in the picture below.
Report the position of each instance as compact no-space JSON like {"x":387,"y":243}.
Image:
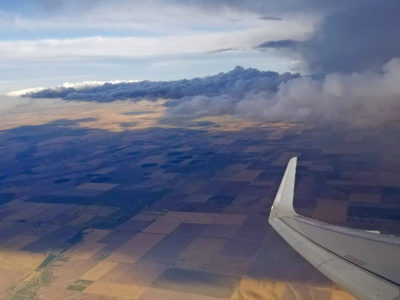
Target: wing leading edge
{"x":364,"y":263}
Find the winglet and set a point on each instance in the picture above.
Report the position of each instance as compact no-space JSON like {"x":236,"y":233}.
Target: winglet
{"x":283,"y":203}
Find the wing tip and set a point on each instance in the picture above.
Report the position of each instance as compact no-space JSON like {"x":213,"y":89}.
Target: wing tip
{"x":293,"y":160}
{"x":283,"y":203}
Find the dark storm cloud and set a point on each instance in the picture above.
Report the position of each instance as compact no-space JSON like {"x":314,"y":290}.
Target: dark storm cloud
{"x":352,"y":36}
{"x":234,"y":84}
{"x":359,"y":38}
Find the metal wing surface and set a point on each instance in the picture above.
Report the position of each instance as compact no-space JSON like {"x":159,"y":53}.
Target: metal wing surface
{"x":366,"y":264}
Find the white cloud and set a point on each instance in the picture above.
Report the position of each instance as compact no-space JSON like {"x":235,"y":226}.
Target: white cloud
{"x":22,"y":92}
{"x":75,"y":85}
{"x":359,"y":99}
{"x":136,"y":47}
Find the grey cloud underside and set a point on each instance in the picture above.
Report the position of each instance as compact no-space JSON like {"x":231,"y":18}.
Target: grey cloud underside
{"x":223,"y":50}
{"x":279,"y":44}
{"x":233,"y":84}
{"x":359,"y":37}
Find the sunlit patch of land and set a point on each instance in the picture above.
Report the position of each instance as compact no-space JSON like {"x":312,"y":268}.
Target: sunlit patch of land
{"x":250,"y":288}
{"x":112,"y":116}
{"x":230,"y":123}
{"x":180,"y":255}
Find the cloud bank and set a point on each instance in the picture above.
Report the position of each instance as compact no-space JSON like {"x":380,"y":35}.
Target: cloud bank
{"x":233,"y":84}
{"x":358,"y":99}
{"x":361,"y":99}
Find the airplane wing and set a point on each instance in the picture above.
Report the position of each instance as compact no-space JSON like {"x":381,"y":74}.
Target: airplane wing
{"x":366,"y":264}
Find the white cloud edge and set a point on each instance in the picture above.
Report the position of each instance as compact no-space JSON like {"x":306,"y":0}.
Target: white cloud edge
{"x":75,"y":85}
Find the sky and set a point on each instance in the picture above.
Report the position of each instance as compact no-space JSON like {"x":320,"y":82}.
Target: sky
{"x":44,"y":43}
{"x":48,"y":42}
{"x":343,"y":56}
